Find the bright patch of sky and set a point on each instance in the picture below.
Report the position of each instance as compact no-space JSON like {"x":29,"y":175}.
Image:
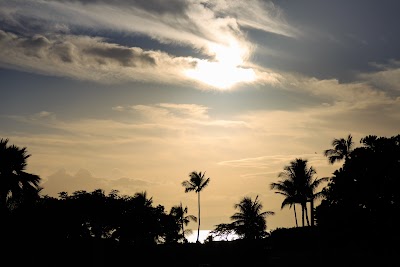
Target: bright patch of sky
{"x":192,"y":238}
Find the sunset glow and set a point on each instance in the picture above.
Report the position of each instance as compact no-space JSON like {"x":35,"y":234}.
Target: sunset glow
{"x":225,"y":71}
{"x":134,"y":95}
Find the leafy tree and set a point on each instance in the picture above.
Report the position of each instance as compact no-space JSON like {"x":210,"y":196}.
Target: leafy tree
{"x":222,"y":230}
{"x":140,"y":221}
{"x":364,"y":191}
{"x":342,"y":149}
{"x":181,"y":217}
{"x":16,"y":185}
{"x":197,"y":183}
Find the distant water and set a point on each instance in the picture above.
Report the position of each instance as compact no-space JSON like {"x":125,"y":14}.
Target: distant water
{"x":203,"y":235}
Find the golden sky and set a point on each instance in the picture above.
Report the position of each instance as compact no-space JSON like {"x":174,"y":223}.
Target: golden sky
{"x":135,"y":95}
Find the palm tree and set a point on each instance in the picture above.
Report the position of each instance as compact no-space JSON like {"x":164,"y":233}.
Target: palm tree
{"x":287,"y":188}
{"x":311,"y":186}
{"x":249,"y":222}
{"x":197,"y":183}
{"x":341,"y":149}
{"x":142,"y":200}
{"x":179,"y":213}
{"x":15,"y":183}
{"x":299,"y":185}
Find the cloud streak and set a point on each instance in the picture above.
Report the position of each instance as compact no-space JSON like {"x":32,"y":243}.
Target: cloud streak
{"x":88,"y":58}
{"x":39,"y":36}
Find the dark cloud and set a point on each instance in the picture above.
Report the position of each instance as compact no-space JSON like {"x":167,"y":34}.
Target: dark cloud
{"x":152,"y":6}
{"x":339,"y":38}
{"x":62,"y":48}
{"x":125,"y":56}
{"x":64,"y":52}
{"x":33,"y":46}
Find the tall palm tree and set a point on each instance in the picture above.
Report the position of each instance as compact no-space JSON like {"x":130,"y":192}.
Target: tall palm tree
{"x":299,"y":185}
{"x":341,"y":149}
{"x":250,"y":222}
{"x":180,"y":214}
{"x":197,"y":183}
{"x":287,"y":188}
{"x":311,"y":186}
{"x":15,"y":183}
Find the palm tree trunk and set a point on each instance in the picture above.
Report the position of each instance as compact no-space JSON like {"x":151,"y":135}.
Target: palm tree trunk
{"x":306,"y":212}
{"x":302,"y":214}
{"x":312,"y":211}
{"x":295,"y":215}
{"x":198,"y":226}
{"x":183,"y":230}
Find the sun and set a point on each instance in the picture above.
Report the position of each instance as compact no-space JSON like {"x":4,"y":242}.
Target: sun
{"x":225,"y":71}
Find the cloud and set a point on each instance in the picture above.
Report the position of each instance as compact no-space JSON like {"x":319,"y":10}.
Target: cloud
{"x":88,"y":58}
{"x":386,"y":78}
{"x":63,"y":181}
{"x":260,"y":15}
{"x":49,"y":36}
{"x":266,"y":162}
{"x":176,"y":116}
{"x":187,"y":21}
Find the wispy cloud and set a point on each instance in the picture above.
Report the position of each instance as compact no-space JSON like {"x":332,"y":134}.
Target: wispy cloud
{"x":266,"y":162}
{"x":48,"y":37}
{"x":386,"y":78}
{"x":88,"y":58}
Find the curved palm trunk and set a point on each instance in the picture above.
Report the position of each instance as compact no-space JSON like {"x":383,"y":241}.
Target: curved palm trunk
{"x":295,"y":215}
{"x":198,"y":226}
{"x":306,"y":213}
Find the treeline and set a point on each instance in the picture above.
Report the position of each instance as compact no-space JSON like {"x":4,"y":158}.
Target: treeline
{"x":360,"y":201}
{"x":364,"y":192}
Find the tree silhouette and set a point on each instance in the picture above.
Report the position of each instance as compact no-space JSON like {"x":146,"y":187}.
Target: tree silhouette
{"x":287,"y":188}
{"x":16,"y":185}
{"x":298,"y":185}
{"x":180,"y":215}
{"x":342,"y":149}
{"x":197,"y":183}
{"x":222,"y":230}
{"x":364,"y":191}
{"x":142,"y":200}
{"x":249,"y":222}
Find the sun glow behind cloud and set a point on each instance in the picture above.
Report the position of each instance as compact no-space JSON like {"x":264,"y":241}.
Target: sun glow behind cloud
{"x":225,"y":71}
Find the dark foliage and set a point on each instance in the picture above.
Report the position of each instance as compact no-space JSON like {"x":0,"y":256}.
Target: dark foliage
{"x":357,"y":222}
{"x":365,"y":190}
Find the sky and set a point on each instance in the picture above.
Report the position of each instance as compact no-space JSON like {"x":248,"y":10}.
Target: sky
{"x":134,"y":95}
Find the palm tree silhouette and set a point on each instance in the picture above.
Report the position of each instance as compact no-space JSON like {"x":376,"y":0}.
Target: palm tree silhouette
{"x":287,"y":188}
{"x":179,"y":213}
{"x":341,"y":149}
{"x":249,"y":222}
{"x":15,"y":183}
{"x":142,"y":200}
{"x":196,"y":183}
{"x":299,"y":185}
{"x":310,"y":187}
